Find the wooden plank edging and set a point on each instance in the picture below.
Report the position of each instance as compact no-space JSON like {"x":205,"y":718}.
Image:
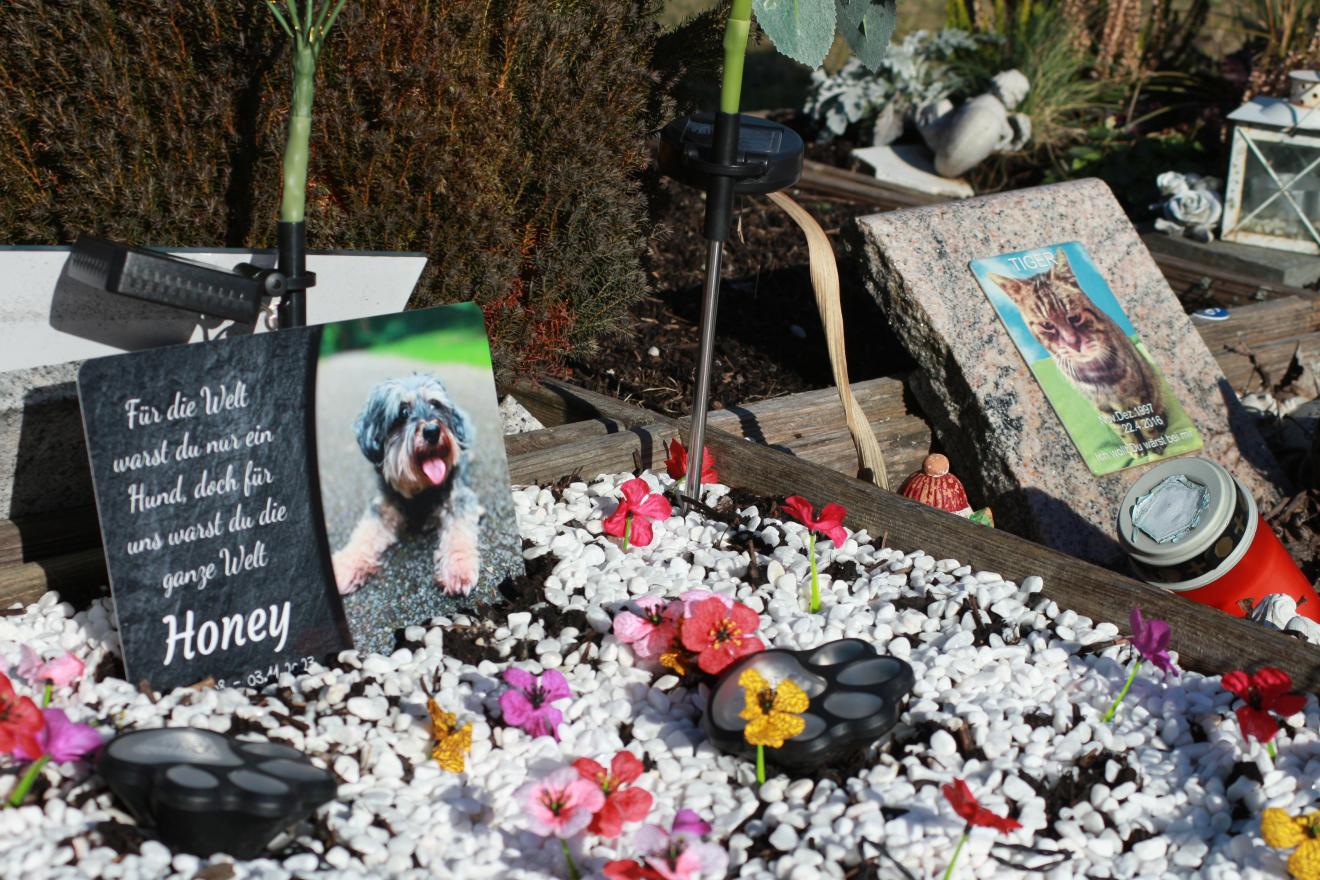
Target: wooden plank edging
{"x":1206,"y":640}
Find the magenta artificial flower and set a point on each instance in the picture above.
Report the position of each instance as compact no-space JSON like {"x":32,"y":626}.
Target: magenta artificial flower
{"x":651,"y":632}
{"x":562,"y":804}
{"x":61,"y":671}
{"x":688,"y":822}
{"x":631,"y":520}
{"x":679,"y":854}
{"x":61,"y":739}
{"x":526,"y":703}
{"x":1151,"y":639}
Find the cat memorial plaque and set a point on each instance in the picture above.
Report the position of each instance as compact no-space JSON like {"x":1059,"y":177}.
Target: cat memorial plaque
{"x":1054,"y":361}
{"x":248,"y":529}
{"x":1091,"y":364}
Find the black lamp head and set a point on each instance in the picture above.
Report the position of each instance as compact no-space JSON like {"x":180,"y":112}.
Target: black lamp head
{"x":855,"y":696}
{"x":205,"y":793}
{"x":167,"y":280}
{"x":768,"y":156}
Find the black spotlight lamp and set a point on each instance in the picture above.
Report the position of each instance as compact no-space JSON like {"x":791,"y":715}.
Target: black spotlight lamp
{"x":206,"y":793}
{"x":855,"y":697}
{"x":199,"y":288}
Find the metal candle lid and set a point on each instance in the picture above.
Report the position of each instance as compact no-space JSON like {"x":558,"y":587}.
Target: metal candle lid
{"x":1175,"y":511}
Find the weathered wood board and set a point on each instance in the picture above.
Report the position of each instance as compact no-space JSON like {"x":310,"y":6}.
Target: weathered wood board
{"x":591,"y":434}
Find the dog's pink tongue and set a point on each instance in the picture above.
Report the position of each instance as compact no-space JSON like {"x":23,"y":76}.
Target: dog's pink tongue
{"x":435,"y":470}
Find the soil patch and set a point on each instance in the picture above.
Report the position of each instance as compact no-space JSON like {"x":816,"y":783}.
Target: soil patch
{"x":770,"y":341}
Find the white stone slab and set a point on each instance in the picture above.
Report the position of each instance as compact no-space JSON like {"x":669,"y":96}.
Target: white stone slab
{"x":909,"y":166}
{"x":48,"y":318}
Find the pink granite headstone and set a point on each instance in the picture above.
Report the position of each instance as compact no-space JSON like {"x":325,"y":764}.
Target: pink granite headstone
{"x":989,"y":412}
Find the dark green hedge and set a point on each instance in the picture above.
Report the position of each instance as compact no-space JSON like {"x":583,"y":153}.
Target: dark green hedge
{"x":505,"y":138}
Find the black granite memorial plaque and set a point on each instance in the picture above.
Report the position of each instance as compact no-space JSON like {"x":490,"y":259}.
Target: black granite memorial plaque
{"x":204,"y":463}
{"x":273,"y":499}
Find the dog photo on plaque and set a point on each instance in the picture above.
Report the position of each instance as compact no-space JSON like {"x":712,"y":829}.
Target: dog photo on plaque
{"x":1088,"y":359}
{"x":270,"y":500}
{"x":414,"y":482}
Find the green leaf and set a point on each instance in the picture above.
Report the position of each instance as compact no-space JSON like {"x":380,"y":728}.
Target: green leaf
{"x":868,"y":26}
{"x":801,"y":29}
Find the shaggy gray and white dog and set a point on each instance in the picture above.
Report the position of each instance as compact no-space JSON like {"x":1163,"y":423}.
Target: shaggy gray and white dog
{"x":419,"y":442}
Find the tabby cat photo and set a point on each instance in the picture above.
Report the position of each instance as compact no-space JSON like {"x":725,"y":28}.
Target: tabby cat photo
{"x":1089,"y":362}
{"x":1090,"y":349}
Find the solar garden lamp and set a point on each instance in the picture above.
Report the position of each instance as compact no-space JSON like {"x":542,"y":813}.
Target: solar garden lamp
{"x":204,"y":792}
{"x":855,"y":696}
{"x":727,"y":153}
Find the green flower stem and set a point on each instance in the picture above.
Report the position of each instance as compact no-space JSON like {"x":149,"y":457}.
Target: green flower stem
{"x":1136,"y":667}
{"x":1269,"y":748}
{"x":568,"y":859}
{"x":948,"y":872}
{"x":307,"y":28}
{"x":735,"y":51}
{"x":627,"y":531}
{"x":45,"y":699}
{"x":814,"y":606}
{"x":294,"y":201}
{"x":760,"y":764}
{"x":28,"y":780}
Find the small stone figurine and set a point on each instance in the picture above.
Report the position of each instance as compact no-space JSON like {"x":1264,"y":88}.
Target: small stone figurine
{"x":963,"y":137}
{"x":934,"y":486}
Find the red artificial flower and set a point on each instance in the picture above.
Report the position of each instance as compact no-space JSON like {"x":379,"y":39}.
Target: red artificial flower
{"x":676,"y":464}
{"x":621,"y":804}
{"x":627,"y":869}
{"x":1264,"y":691}
{"x":20,"y":721}
{"x":830,"y":523}
{"x":964,"y":803}
{"x":638,"y":507}
{"x":719,"y":634}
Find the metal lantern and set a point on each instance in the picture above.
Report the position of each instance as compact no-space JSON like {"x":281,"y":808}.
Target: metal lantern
{"x":1273,"y":193}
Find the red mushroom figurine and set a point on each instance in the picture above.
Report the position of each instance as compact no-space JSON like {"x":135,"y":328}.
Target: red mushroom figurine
{"x":934,"y":486}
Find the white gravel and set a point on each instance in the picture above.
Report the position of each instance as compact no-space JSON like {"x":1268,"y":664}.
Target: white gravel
{"x":1173,"y":790}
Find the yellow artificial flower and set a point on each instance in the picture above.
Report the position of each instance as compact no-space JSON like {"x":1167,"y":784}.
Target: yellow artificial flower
{"x":676,"y":658}
{"x":452,"y":743}
{"x":772,"y":714}
{"x":1300,"y":832}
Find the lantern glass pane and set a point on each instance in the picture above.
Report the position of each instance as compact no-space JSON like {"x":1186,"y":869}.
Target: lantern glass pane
{"x":1289,"y":162}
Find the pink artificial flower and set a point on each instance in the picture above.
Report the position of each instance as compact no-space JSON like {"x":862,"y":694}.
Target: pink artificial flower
{"x":622,"y":804}
{"x":526,"y":703}
{"x":679,"y":854}
{"x":631,"y":520}
{"x":562,"y":804}
{"x":61,"y":671}
{"x":63,"y":740}
{"x":830,"y":523}
{"x":652,"y":632}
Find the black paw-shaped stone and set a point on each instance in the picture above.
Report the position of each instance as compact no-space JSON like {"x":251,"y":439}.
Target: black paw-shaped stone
{"x":206,"y":793}
{"x":854,"y":696}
